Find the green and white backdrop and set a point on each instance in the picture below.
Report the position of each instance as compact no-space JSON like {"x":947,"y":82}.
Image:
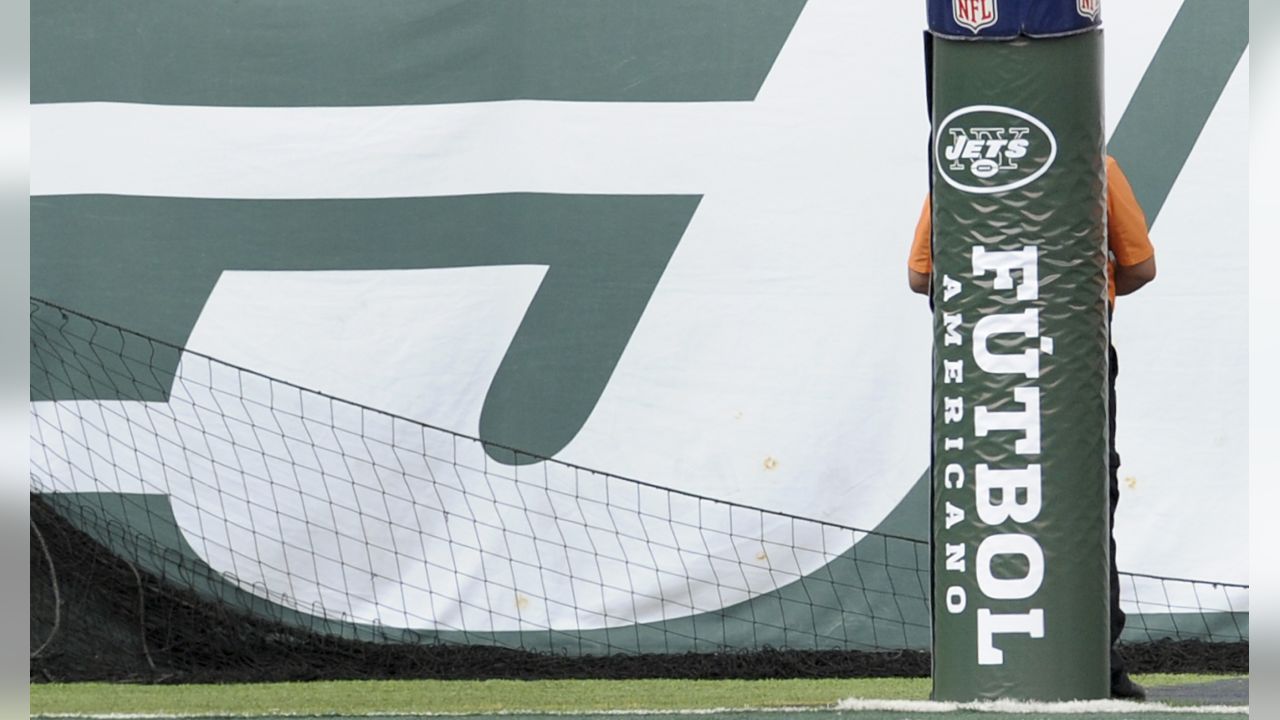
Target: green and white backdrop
{"x":666,"y":239}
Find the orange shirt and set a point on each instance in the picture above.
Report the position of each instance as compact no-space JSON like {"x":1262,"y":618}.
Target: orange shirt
{"x":1126,"y":230}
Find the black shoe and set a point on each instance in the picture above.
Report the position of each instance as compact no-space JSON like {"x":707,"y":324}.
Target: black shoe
{"x":1124,"y":688}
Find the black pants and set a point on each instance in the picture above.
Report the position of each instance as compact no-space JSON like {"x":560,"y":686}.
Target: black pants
{"x":1117,"y":615}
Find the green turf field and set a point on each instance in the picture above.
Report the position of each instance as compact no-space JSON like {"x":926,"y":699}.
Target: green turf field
{"x":511,"y":698}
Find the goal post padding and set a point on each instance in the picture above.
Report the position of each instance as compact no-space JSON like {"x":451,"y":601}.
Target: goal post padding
{"x":1020,"y":444}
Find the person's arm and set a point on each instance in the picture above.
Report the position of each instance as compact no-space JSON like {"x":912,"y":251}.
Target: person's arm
{"x":920,"y":262}
{"x":1129,"y":278}
{"x":1135,"y":258}
{"x":918,"y":281}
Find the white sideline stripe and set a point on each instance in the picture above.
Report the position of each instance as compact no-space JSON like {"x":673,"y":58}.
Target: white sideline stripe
{"x":1073,"y":707}
{"x":482,"y":713}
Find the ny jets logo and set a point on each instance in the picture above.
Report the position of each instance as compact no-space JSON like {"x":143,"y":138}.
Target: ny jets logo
{"x":987,"y":149}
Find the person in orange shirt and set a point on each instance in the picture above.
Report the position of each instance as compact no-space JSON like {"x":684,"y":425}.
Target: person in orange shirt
{"x":1131,"y":265}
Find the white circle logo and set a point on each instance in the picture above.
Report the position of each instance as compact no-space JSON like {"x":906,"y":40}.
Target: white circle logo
{"x":989,"y":149}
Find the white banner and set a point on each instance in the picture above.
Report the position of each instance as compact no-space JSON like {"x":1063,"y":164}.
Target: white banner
{"x":781,"y":361}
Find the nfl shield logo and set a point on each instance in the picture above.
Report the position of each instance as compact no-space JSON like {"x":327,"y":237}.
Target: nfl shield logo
{"x":978,"y":14}
{"x":1089,"y":8}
